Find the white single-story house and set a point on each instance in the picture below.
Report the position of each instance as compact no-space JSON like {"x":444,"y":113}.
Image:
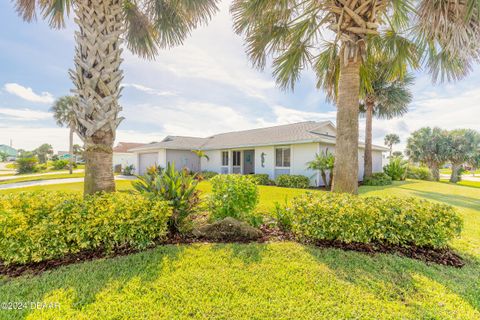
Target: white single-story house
{"x":283,"y":149}
{"x":122,"y":157}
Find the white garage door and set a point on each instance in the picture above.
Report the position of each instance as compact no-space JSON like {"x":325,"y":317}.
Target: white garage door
{"x":147,"y":160}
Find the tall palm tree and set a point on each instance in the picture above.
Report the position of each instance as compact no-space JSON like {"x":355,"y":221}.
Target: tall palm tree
{"x":145,"y":26}
{"x":391,"y":139}
{"x":65,"y":116}
{"x":294,"y":33}
{"x":387,"y":99}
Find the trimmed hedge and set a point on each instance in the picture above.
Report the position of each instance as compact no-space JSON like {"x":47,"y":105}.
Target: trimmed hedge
{"x":207,"y":175}
{"x":262,"y":179}
{"x":292,"y":181}
{"x":233,"y":196}
{"x":378,"y":179}
{"x":419,"y":173}
{"x":390,"y":220}
{"x":46,"y":225}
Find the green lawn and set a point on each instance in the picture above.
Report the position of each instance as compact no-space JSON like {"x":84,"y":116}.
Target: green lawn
{"x":266,"y":281}
{"x":44,"y":177}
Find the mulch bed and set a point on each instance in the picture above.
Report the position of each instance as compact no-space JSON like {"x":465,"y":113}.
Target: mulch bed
{"x":429,"y":255}
{"x":445,"y":257}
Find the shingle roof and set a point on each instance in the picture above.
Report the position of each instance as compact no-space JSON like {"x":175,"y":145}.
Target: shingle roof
{"x":123,"y":147}
{"x":301,"y":132}
{"x":176,"y":142}
{"x":295,"y":132}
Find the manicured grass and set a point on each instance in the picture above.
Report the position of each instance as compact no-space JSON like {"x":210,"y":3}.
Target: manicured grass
{"x":266,"y":281}
{"x":449,"y":171}
{"x":122,"y":185}
{"x":44,"y":177}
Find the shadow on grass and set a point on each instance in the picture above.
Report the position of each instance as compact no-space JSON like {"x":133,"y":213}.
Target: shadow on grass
{"x":374,"y":273}
{"x":454,"y":200}
{"x":91,"y":277}
{"x":248,"y":253}
{"x":395,"y":184}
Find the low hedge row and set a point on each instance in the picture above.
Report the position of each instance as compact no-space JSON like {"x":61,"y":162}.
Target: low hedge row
{"x":292,"y":181}
{"x":47,"y":225}
{"x":419,"y":173}
{"x":378,"y":179}
{"x":390,"y":220}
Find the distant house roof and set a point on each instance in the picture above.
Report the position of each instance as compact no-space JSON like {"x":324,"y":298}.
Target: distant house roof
{"x":301,"y":132}
{"x":123,"y":147}
{"x":8,"y":150}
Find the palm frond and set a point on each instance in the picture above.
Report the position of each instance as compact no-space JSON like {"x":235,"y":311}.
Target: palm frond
{"x":140,"y":33}
{"x":54,"y":11}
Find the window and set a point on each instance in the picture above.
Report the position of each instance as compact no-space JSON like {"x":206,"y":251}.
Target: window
{"x":225,"y":158}
{"x":282,"y":157}
{"x":236,"y":158}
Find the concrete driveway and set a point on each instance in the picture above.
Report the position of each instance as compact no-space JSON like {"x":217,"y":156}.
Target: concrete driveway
{"x":26,"y":184}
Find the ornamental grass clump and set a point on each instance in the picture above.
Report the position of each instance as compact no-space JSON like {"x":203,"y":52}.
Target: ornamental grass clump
{"x":389,"y":220}
{"x":41,"y":226}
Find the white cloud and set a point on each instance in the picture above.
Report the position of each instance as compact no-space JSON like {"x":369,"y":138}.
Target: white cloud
{"x":24,"y":114}
{"x":28,"y":93}
{"x":441,"y":110}
{"x":149,"y":90}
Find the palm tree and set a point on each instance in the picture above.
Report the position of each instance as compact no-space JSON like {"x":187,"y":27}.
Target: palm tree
{"x":65,"y":116}
{"x":293,"y":32}
{"x":104,"y":25}
{"x":463,"y":144}
{"x":430,"y":147}
{"x":391,"y":139}
{"x":324,"y":162}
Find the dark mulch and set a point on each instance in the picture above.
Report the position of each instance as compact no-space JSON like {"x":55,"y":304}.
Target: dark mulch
{"x":445,"y":257}
{"x":270,"y":233}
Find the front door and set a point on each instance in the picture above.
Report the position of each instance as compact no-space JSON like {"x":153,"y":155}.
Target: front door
{"x":249,"y":162}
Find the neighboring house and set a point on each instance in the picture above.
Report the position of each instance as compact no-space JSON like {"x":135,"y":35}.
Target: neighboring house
{"x":122,"y":157}
{"x":284,"y":149}
{"x":11,"y":152}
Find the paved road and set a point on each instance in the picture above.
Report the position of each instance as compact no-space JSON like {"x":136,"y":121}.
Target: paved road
{"x":465,"y":177}
{"x":37,"y":174}
{"x":50,"y":182}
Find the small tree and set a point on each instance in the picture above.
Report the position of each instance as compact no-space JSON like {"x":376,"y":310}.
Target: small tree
{"x":324,"y":162}
{"x":64,"y":115}
{"x":474,"y":161}
{"x":3,"y":156}
{"x":43,"y":152}
{"x":462,"y":146}
{"x":430,"y":147}
{"x":390,"y":140}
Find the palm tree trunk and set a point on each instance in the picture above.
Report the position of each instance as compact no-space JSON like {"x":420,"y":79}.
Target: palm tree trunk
{"x":367,"y":165}
{"x":454,"y":177}
{"x":435,"y":172}
{"x":70,"y":150}
{"x":346,"y":149}
{"x":97,"y":78}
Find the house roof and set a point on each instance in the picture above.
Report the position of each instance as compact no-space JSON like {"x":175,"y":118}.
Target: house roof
{"x":301,"y":132}
{"x":123,"y":147}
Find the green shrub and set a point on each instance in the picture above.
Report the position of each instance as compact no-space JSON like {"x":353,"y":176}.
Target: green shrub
{"x":47,"y":225}
{"x":178,"y":188}
{"x":27,"y":165}
{"x":419,"y":173}
{"x":292,"y":181}
{"x":60,"y":164}
{"x":207,"y":175}
{"x":389,"y":220}
{"x":233,"y":196}
{"x":262,"y":179}
{"x":128,"y":170}
{"x":396,"y":169}
{"x":378,"y":179}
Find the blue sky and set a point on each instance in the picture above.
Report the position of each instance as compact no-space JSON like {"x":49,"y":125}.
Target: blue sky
{"x":204,"y":87}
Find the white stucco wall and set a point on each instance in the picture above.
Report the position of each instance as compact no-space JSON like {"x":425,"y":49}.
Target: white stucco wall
{"x":301,"y":154}
{"x":123,"y":159}
{"x":214,"y":163}
{"x":269,"y":163}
